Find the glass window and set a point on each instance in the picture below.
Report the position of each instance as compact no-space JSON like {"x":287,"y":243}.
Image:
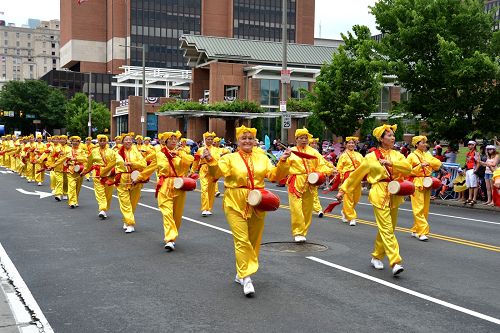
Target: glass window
{"x":296,"y":87}
{"x":385,"y":99}
{"x":269,"y":92}
{"x":231,"y":93}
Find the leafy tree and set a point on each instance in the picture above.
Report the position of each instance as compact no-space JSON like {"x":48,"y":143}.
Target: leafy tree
{"x":347,"y":89}
{"x":35,"y":98}
{"x":444,"y":53}
{"x":77,"y":116}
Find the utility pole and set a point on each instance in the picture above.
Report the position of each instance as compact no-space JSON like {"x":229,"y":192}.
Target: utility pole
{"x":90,"y":105}
{"x":284,"y":40}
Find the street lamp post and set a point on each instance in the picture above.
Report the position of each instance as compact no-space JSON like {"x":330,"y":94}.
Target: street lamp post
{"x":90,"y":105}
{"x":143,"y":116}
{"x":284,"y":39}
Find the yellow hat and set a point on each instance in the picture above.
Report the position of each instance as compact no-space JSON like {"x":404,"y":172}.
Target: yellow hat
{"x":88,"y":138}
{"x":147,"y":138}
{"x":168,"y":135}
{"x":118,"y":137}
{"x":311,"y":140}
{"x":184,"y":140}
{"x":75,"y":138}
{"x":243,"y":129}
{"x":30,"y":136}
{"x":102,"y":136}
{"x":139,"y":137}
{"x":8,"y":136}
{"x":379,"y":131}
{"x":416,"y":139}
{"x":353,"y":138}
{"x":39,"y":136}
{"x":207,"y":134}
{"x":63,"y":137}
{"x":301,"y":132}
{"x":131,"y":134}
{"x":216,"y":139}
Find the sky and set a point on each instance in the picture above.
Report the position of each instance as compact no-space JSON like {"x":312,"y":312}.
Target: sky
{"x":334,"y":16}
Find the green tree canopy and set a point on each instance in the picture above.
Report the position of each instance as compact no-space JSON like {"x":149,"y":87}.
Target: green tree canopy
{"x":444,"y":53}
{"x":77,"y":116}
{"x":347,"y":89}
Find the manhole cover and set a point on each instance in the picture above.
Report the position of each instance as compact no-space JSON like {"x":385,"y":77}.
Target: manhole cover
{"x":292,"y":247}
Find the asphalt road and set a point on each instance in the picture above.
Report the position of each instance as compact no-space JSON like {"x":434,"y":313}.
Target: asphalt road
{"x":87,"y":275}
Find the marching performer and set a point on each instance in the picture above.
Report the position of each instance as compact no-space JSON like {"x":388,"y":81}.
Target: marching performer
{"x":76,"y":158}
{"x":208,"y":183}
{"x":300,"y":191}
{"x":129,"y":193}
{"x":243,"y":171}
{"x":169,"y":164}
{"x":51,"y":147}
{"x":349,"y":161}
{"x":313,"y":143}
{"x":60,"y":155}
{"x":40,"y":150}
{"x":381,"y":166}
{"x":422,"y":163}
{"x":102,"y":159}
{"x":118,"y":143}
{"x":184,"y":146}
{"x":29,"y":158}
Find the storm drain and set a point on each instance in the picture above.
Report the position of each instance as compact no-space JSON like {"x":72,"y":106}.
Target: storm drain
{"x":292,"y":247}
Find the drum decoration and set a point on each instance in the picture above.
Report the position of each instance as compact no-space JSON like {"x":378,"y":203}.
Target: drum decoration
{"x":184,"y":183}
{"x":134,"y":175}
{"x":401,"y":187}
{"x":316,"y":178}
{"x":78,"y":168}
{"x":431,"y":183}
{"x":264,"y":200}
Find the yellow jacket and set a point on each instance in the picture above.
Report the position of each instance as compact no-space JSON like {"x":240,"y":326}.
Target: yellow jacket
{"x":104,"y":158}
{"x":201,"y":164}
{"x":136,"y":160}
{"x":376,"y":174}
{"x":348,"y":162}
{"x":60,"y":157}
{"x":417,"y":171}
{"x":496,"y":174}
{"x":76,"y":156}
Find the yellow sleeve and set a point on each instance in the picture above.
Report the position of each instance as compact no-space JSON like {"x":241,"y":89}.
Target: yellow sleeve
{"x":356,"y":176}
{"x":278,"y":172}
{"x":416,"y":167}
{"x":434,"y":163}
{"x":137,"y":162}
{"x":196,"y":162}
{"x":149,"y":169}
{"x":400,"y":165}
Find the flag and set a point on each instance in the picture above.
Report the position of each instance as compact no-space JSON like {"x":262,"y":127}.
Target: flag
{"x":81,"y":1}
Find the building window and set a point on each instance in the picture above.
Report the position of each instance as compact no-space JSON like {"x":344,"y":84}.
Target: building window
{"x":6,"y":42}
{"x":231,"y":93}
{"x":121,"y":124}
{"x":29,"y":44}
{"x":385,"y":100}
{"x":54,"y":61}
{"x":29,"y":36}
{"x":296,"y":87}
{"x":5,"y":34}
{"x":270,"y":92}
{"x":53,"y":45}
{"x":17,"y":34}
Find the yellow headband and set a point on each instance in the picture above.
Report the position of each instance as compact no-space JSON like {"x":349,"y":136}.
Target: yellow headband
{"x":216,"y":139}
{"x":139,"y":137}
{"x":39,"y":136}
{"x":184,"y":140}
{"x":301,"y":132}
{"x":88,"y":138}
{"x":75,"y":138}
{"x":353,"y":138}
{"x":243,"y":129}
{"x":147,"y":138}
{"x":207,"y":134}
{"x":168,"y":135}
{"x":119,"y":137}
{"x":379,"y":131}
{"x":102,"y":136}
{"x":416,"y":139}
{"x":63,"y":137}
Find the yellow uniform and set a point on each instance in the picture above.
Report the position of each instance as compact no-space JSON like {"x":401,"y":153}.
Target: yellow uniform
{"x":170,"y":200}
{"x":207,"y":181}
{"x":347,"y":163}
{"x":103,"y":160}
{"x":300,"y":192}
{"x":76,"y":156}
{"x":40,"y":157}
{"x":385,"y":205}
{"x":421,"y":198}
{"x":247,"y":223}
{"x":60,"y":157}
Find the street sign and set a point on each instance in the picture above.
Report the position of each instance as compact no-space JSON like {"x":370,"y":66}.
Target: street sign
{"x":37,"y":121}
{"x":286,"y":121}
{"x":285,"y":75}
{"x":283,"y":106}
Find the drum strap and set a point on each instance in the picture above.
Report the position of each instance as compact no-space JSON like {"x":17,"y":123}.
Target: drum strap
{"x":379,"y":156}
{"x":354,"y":162}
{"x":250,"y":173}
{"x":169,"y":158}
{"x":423,"y":168}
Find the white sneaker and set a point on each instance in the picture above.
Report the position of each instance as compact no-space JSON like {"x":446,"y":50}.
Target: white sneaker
{"x":125,"y":226}
{"x":58,"y":198}
{"x":299,"y":239}
{"x":352,"y":223}
{"x":423,"y":238}
{"x":39,"y":184}
{"x":53,"y":192}
{"x":248,"y":288}
{"x":397,"y":269}
{"x":65,"y":197}
{"x":320,"y":214}
{"x":209,"y":213}
{"x":414,"y":234}
{"x":238,"y":280}
{"x":377,"y":264}
{"x":204,"y":213}
{"x":170,"y":246}
{"x":217,"y":194}
{"x":102,"y":215}
{"x":343,"y":217}
{"x":72,"y":206}
{"x":130,"y":229}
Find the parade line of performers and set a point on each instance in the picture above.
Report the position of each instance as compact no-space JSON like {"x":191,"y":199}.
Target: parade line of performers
{"x":128,"y":165}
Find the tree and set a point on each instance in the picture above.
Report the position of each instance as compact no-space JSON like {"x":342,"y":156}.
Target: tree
{"x":77,"y":116}
{"x":347,"y":89}
{"x":443,"y":52}
{"x":34,"y":98}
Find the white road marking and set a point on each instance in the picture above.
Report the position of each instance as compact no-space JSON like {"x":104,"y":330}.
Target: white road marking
{"x":408,"y":210}
{"x":20,"y":311}
{"x":408,"y":291}
{"x":40,"y":194}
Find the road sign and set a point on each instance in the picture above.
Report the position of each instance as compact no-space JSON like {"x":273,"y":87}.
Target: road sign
{"x":286,"y":121}
{"x":285,"y":75}
{"x":283,"y":106}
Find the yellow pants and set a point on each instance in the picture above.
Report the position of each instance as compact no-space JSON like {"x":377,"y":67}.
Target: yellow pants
{"x":301,"y":212}
{"x":350,"y":201}
{"x":386,"y":243}
{"x":30,"y":171}
{"x":316,"y":204}
{"x":61,"y":179}
{"x":74,"y":187}
{"x":172,"y":217}
{"x":247,"y":236}
{"x":103,"y":195}
{"x":420,"y":202}
{"x":207,"y":193}
{"x":13,"y":163}
{"x":52,"y":180}
{"x":129,"y":198}
{"x":39,"y":176}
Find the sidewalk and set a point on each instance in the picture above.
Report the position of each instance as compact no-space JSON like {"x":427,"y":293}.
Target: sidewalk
{"x":454,"y":203}
{"x":7,"y":321}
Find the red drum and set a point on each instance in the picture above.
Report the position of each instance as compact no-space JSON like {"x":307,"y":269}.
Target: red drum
{"x":402,"y":187}
{"x":496,"y":196}
{"x":134,"y":175}
{"x":264,"y":200}
{"x":316,"y":178}
{"x":78,"y":168}
{"x":184,"y":183}
{"x":431,"y":183}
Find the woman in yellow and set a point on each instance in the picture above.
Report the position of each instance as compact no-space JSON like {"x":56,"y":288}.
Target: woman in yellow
{"x":129,"y":159}
{"x":300,"y":192}
{"x":459,"y":185}
{"x":88,"y":149}
{"x":317,"y":204}
{"x":349,"y":161}
{"x":76,"y":156}
{"x":40,"y":149}
{"x":422,"y":164}
{"x":184,"y":146}
{"x":207,"y":181}
{"x":243,"y":171}
{"x":60,"y":155}
{"x":169,"y":163}
{"x":380,"y":167}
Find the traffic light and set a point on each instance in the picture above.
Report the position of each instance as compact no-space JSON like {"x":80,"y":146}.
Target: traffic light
{"x":1,"y":113}
{"x":21,"y":114}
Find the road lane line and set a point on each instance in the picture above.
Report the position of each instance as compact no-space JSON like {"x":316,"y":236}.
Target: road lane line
{"x":408,"y":291}
{"x":409,"y":210}
{"x":24,"y":295}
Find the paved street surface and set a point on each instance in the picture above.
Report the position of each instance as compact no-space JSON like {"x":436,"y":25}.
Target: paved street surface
{"x":87,"y":275}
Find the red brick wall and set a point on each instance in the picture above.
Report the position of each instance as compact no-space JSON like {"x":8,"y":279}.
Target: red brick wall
{"x":305,"y":22}
{"x":86,"y":21}
{"x":216,"y":18}
{"x":201,"y":82}
{"x":222,"y":74}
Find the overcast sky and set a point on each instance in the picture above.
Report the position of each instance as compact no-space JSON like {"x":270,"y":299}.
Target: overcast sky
{"x":334,"y":16}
